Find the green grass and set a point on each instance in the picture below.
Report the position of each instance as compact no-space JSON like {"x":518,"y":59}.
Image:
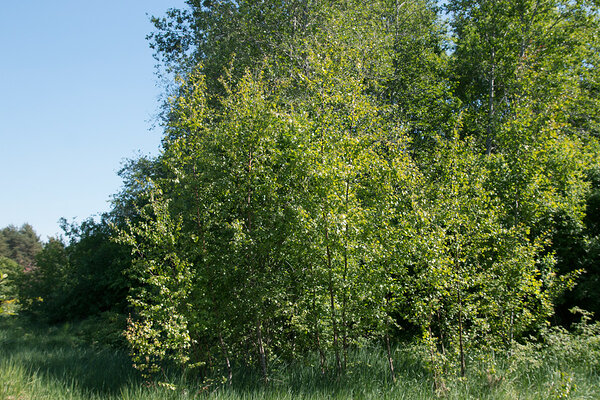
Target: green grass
{"x":39,"y":362}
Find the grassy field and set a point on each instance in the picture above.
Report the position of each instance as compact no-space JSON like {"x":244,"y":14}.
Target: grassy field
{"x":38,"y":362}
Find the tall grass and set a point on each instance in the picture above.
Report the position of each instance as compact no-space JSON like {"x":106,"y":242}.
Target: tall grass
{"x":39,"y":362}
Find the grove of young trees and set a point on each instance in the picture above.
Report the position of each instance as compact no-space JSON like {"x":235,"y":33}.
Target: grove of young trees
{"x":334,"y":172}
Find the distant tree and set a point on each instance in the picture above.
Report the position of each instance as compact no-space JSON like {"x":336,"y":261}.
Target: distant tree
{"x":4,"y":250}
{"x":77,"y":277}
{"x":97,"y":282}
{"x":41,"y":289}
{"x":20,"y":244}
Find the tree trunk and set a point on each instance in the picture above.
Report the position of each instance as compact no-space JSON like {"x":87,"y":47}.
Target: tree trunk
{"x":438,"y":380}
{"x":389,"y":354}
{"x":259,"y":336}
{"x":489,"y":143}
{"x":344,"y":282}
{"x":317,"y":334}
{"x":227,"y":363}
{"x":332,"y":300}
{"x":261,"y":351}
{"x":441,"y":330}
{"x":387,"y":342}
{"x":460,"y":337}
{"x":322,"y":358}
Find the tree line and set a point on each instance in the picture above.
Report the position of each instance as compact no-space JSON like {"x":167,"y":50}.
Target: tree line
{"x":335,"y":172}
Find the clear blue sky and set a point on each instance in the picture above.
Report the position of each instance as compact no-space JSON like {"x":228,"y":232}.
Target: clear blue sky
{"x":77,"y":96}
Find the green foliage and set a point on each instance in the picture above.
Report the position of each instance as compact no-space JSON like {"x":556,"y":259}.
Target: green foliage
{"x":577,"y":245}
{"x":9,"y":273}
{"x":96,"y":271}
{"x":474,"y":282}
{"x":523,"y":95}
{"x":334,"y":171}
{"x":104,"y":330}
{"x":496,"y":41}
{"x":160,"y":330}
{"x":76,"y":279}
{"x":41,"y":288}
{"x":129,"y":199}
{"x":20,"y":244}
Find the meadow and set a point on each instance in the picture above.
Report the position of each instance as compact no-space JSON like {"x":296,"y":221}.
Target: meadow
{"x":60,"y":362}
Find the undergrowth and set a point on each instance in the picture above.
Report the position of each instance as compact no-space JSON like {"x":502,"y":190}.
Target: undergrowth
{"x":41,"y":362}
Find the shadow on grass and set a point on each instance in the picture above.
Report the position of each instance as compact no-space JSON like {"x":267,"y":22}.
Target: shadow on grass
{"x":56,"y":354}
{"x":366,"y":376}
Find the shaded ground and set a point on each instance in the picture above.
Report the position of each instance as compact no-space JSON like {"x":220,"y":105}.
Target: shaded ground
{"x":55,"y":354}
{"x":52,"y":363}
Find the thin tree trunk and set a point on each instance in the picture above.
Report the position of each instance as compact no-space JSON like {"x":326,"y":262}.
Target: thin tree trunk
{"x":525,"y":40}
{"x":389,"y":355}
{"x":387,"y":342}
{"x":440,"y":386}
{"x":259,"y":335}
{"x":330,"y":268}
{"x":318,"y":340}
{"x":322,"y":358}
{"x":441,"y":329}
{"x":491,"y":111}
{"x":210,"y":358}
{"x":261,"y":351}
{"x":249,"y":198}
{"x":332,"y":300}
{"x":336,"y":346}
{"x":460,"y":337}
{"x":344,"y":281}
{"x":512,"y":315}
{"x":227,"y":363}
